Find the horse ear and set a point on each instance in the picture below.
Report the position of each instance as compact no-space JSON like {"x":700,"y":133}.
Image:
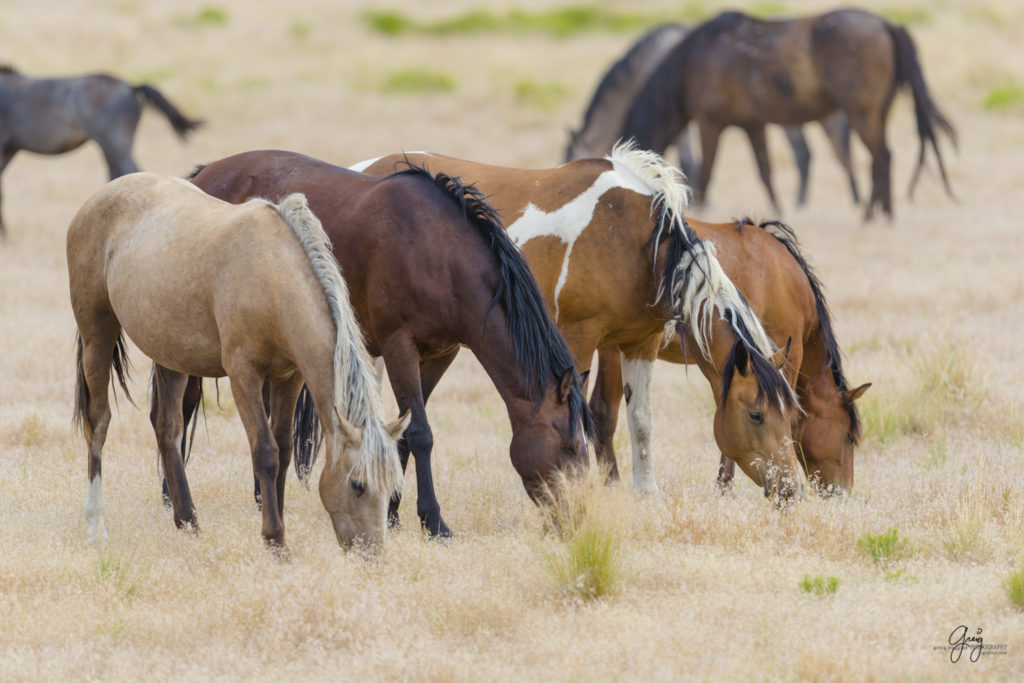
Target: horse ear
{"x":397,"y":428}
{"x":742,"y":357}
{"x":782,"y":355}
{"x":351,"y":433}
{"x":565,"y":385}
{"x":851,"y":395}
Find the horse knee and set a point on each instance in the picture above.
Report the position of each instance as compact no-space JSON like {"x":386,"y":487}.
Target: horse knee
{"x":265,"y":460}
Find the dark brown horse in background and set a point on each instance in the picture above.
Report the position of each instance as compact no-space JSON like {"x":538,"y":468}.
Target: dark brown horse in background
{"x":57,"y":115}
{"x":429,"y":268}
{"x":614,"y":95}
{"x":735,"y":70}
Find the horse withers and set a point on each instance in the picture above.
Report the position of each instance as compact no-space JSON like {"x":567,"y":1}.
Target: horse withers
{"x":251,"y":292}
{"x":57,"y":115}
{"x":736,"y":70}
{"x":430,"y":269}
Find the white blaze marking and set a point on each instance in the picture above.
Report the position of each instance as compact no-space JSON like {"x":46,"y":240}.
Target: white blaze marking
{"x":569,"y":221}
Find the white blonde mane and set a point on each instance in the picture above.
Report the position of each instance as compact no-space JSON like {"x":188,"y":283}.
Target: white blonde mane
{"x":698,"y":285}
{"x":356,"y":394}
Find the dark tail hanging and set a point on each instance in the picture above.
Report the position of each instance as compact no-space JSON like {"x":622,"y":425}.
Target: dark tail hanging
{"x":182,"y":124}
{"x":119,"y":361}
{"x":909,"y":74}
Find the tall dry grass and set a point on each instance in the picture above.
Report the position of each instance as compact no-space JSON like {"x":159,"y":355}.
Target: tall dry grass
{"x":929,"y":309}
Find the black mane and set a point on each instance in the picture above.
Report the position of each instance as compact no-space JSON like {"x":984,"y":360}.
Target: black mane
{"x":787,"y":238}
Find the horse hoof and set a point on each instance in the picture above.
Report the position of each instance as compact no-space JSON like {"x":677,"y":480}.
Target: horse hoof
{"x":435,"y":526}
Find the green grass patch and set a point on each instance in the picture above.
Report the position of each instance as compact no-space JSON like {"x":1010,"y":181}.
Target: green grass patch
{"x":117,"y":569}
{"x":907,"y":15}
{"x":1004,"y":97}
{"x":1013,"y":584}
{"x":300,"y":30}
{"x":543,"y":96}
{"x":819,"y":585}
{"x":884,"y":550}
{"x":560,"y":22}
{"x":211,"y":15}
{"x":412,"y":81}
{"x":767,"y":10}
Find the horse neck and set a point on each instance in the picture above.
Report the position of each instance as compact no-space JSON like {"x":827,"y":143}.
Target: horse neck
{"x":816,"y":383}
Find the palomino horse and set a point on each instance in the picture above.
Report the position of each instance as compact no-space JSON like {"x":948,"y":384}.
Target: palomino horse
{"x":430,"y":268}
{"x":602,"y":122}
{"x":742,"y":71}
{"x":619,"y":266}
{"x":766,"y":263}
{"x":251,"y":292}
{"x":56,"y":115}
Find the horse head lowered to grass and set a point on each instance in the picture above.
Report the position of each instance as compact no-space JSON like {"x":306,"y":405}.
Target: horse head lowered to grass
{"x":251,"y":292}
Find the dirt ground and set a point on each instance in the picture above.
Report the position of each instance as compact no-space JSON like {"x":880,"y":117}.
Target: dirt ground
{"x":929,"y":308}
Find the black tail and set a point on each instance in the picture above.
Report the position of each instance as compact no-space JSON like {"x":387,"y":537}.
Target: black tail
{"x":909,"y":73}
{"x":119,"y":361}
{"x":182,"y":124}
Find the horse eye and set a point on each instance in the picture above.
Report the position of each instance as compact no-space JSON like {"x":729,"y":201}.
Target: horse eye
{"x":358,"y":486}
{"x":756,"y":418}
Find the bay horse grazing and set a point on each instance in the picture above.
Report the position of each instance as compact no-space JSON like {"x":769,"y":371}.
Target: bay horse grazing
{"x":620,"y":267}
{"x":251,"y":292}
{"x":738,"y":70}
{"x":57,"y":115}
{"x":606,"y":113}
{"x":429,"y":268}
{"x":767,"y":264}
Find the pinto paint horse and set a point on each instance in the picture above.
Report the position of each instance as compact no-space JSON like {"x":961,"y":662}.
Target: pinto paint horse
{"x":619,"y":267}
{"x":602,"y":122}
{"x":738,"y":70}
{"x":252,"y":292}
{"x":767,"y":264}
{"x":429,"y":269}
{"x":56,"y":115}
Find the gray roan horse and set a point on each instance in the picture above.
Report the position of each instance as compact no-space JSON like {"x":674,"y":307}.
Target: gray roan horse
{"x":602,"y":122}
{"x":56,"y":115}
{"x":742,"y":71}
{"x":252,"y":292}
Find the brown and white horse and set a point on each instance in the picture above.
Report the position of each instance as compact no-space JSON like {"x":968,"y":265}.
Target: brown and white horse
{"x":767,"y":264}
{"x":611,"y":250}
{"x":252,"y":292}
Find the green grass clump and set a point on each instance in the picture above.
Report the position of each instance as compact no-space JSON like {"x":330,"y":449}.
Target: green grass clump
{"x":211,"y":15}
{"x":1007,"y":96}
{"x":1013,"y":583}
{"x":387,"y":22}
{"x":544,"y":96}
{"x":409,"y":81}
{"x":885,"y":549}
{"x":907,"y":15}
{"x":819,"y":585}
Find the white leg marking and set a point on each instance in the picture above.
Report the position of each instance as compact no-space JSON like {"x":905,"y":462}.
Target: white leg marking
{"x":636,"y":374}
{"x":94,"y":511}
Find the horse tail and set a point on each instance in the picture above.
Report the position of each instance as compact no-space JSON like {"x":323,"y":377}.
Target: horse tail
{"x":121,"y":364}
{"x":182,"y":124}
{"x":355,"y":388}
{"x":692,"y":280}
{"x":785,"y":236}
{"x":909,"y":73}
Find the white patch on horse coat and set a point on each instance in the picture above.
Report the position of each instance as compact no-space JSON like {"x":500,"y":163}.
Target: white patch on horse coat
{"x":636,"y":373}
{"x":93,"y":511}
{"x":569,"y":221}
{"x":363,"y":165}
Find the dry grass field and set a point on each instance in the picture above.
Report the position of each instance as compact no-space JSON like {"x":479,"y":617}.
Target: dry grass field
{"x":930,"y":308}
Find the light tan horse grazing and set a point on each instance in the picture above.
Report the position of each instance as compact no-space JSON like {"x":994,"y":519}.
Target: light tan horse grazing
{"x":253,"y":292}
{"x":618,"y":265}
{"x":766,"y":263}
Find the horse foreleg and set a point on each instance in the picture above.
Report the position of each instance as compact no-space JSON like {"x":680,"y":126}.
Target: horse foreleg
{"x":637,"y":368}
{"x":169,"y":427}
{"x":709,"y":134}
{"x":802,"y":156}
{"x":282,"y":400}
{"x":412,"y":380}
{"x":764,"y":167}
{"x":871,"y":130}
{"x":604,"y":405}
{"x":837,"y":129}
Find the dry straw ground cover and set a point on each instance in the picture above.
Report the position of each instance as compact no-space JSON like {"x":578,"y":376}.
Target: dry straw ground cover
{"x":690,"y":585}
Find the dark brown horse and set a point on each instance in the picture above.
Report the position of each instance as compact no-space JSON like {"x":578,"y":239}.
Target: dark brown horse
{"x":56,"y":115}
{"x":602,"y":122}
{"x":735,"y":70}
{"x":429,"y":268}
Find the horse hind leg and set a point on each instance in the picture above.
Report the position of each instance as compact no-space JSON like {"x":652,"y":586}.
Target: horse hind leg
{"x":169,"y":426}
{"x":604,"y":405}
{"x":282,"y":399}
